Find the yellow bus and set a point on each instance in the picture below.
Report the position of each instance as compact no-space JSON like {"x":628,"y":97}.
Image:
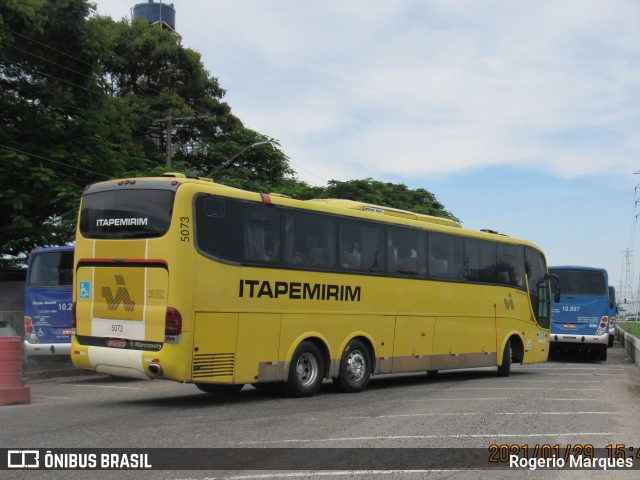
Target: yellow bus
{"x":188,"y":280}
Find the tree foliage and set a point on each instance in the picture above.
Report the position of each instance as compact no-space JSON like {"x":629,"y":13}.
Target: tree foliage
{"x":368,"y":190}
{"x":86,"y":98}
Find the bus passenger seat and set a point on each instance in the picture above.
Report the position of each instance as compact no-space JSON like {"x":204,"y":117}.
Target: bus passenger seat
{"x":503,"y":277}
{"x":438,"y":267}
{"x":315,"y":256}
{"x":410,"y":264}
{"x":351,"y":260}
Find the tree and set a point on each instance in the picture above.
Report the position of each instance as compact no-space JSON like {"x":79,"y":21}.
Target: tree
{"x":395,"y":195}
{"x":50,"y":130}
{"x":85,"y":99}
{"x":159,"y":86}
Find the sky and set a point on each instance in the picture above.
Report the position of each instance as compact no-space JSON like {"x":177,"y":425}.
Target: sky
{"x":521,"y":117}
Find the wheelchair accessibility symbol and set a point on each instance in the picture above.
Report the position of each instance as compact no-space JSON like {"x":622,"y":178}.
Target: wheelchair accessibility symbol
{"x":85,"y":289}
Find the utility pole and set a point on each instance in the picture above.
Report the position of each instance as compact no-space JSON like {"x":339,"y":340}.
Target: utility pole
{"x":169,"y":141}
{"x":168,"y":121}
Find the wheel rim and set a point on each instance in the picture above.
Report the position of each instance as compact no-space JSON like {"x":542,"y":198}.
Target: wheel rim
{"x":356,"y":365}
{"x":307,"y":369}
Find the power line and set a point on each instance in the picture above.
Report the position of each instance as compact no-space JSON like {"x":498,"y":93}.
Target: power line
{"x":34,"y":70}
{"x":53,"y":161}
{"x":45,"y":59}
{"x":44,"y":45}
{"x":94,"y":66}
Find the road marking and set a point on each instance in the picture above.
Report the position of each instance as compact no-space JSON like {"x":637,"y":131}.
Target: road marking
{"x":313,"y":473}
{"x":48,"y":396}
{"x":447,"y":399}
{"x":525,"y":388}
{"x":432,"y":437}
{"x":477,"y":399}
{"x":577,"y":367}
{"x":578,"y":374}
{"x":556,"y":381}
{"x":461,"y":414}
{"x":102,"y":386}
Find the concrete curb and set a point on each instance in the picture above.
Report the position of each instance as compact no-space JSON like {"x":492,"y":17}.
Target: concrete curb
{"x":47,"y":368}
{"x":630,"y":343}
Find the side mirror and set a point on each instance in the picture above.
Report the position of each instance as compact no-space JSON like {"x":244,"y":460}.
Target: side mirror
{"x":556,"y":290}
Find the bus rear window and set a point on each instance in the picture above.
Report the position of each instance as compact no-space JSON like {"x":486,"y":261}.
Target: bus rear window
{"x":581,"y":282}
{"x":126,"y":214}
{"x":53,"y":269}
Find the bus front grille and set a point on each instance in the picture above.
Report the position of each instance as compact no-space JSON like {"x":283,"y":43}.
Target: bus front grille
{"x":213,"y":365}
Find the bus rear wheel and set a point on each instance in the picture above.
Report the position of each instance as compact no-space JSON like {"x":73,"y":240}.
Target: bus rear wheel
{"x":601,"y":355}
{"x":505,"y":369}
{"x":355,"y":368}
{"x":219,"y":389}
{"x":306,"y":371}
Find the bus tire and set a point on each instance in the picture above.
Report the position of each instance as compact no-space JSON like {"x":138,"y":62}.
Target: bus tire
{"x":220,"y":389}
{"x":355,"y":368}
{"x":611,"y":338}
{"x":306,"y":371}
{"x":602,"y":355}
{"x":505,"y":369}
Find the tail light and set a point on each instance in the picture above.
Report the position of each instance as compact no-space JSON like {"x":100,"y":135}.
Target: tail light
{"x":28,"y":329}
{"x":172,"y":325}
{"x":602,"y":328}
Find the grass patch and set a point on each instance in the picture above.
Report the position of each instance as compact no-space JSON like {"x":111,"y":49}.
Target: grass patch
{"x":632,"y":328}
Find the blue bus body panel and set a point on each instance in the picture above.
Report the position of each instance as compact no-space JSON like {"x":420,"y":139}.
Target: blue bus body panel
{"x":577,"y":314}
{"x":50,"y":313}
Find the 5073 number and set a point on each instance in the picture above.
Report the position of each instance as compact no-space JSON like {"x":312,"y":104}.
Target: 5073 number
{"x":117,"y":328}
{"x":185,"y":229}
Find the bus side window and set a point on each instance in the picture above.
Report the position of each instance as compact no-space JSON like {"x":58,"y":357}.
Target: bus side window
{"x":309,"y":240}
{"x":66,"y":276}
{"x":510,"y":264}
{"x":446,"y":253}
{"x":218,"y":227}
{"x":262,"y":234}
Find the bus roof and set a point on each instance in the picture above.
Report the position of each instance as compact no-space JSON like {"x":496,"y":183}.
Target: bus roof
{"x":60,"y":248}
{"x":576,"y":267}
{"x":333,"y":206}
{"x":395,"y":212}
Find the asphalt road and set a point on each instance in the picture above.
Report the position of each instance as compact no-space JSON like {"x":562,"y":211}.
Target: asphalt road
{"x":569,"y":403}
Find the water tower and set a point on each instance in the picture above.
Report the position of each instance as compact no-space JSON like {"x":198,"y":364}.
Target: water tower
{"x":156,"y":13}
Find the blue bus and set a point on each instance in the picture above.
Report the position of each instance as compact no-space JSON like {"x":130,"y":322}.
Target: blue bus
{"x":580,"y":319}
{"x":613,"y":314}
{"x":48,"y":301}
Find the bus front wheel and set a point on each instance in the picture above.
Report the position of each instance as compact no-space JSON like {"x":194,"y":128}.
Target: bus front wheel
{"x":505,"y":369}
{"x":306,"y":371}
{"x":355,"y":368}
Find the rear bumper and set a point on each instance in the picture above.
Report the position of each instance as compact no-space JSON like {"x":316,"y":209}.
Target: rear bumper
{"x":580,"y":339}
{"x":112,"y":361}
{"x":46,"y":349}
